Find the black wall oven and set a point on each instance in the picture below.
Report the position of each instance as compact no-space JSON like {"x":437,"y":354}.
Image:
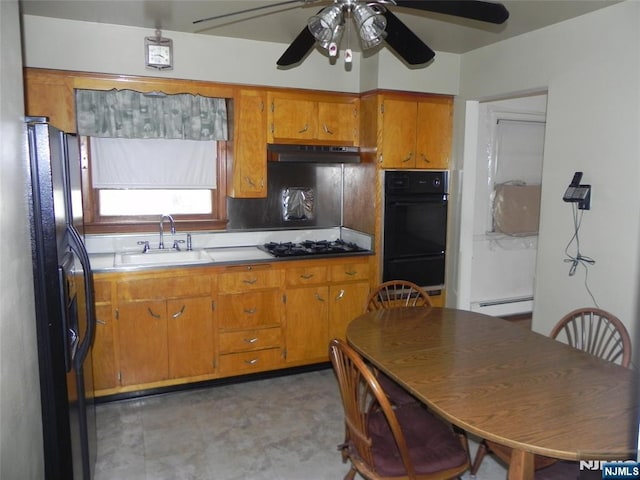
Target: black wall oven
{"x":415,"y":227}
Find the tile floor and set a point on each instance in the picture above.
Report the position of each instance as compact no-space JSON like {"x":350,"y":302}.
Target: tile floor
{"x":283,"y":428}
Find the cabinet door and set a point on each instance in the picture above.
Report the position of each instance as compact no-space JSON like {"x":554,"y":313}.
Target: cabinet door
{"x":293,"y":119}
{"x":103,"y":354}
{"x":307,"y":329}
{"x":50,"y":94}
{"x":346,"y":303}
{"x":142,"y":332}
{"x":433,"y":139}
{"x":337,"y":122}
{"x":249,"y":171}
{"x":398,"y":134}
{"x":190,"y":337}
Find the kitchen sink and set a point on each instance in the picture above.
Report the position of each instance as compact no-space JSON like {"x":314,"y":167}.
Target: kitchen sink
{"x":161,"y":257}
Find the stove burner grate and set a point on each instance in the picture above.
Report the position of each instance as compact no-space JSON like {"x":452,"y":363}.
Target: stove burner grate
{"x":311,"y":247}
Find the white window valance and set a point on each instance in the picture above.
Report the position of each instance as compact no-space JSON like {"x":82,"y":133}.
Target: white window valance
{"x":130,"y":114}
{"x":155,"y":163}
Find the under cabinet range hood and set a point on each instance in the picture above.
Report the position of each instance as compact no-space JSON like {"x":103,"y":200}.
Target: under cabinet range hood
{"x":313,"y":153}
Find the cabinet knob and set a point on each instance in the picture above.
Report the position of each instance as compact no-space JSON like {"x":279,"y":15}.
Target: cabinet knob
{"x":251,"y":340}
{"x":253,"y":361}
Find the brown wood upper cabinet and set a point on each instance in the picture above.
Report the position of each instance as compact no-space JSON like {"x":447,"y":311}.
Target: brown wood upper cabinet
{"x":247,"y":169}
{"x":415,"y":131}
{"x":330,"y":119}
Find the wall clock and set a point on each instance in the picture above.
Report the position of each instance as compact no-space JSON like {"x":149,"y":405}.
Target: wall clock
{"x":158,"y":52}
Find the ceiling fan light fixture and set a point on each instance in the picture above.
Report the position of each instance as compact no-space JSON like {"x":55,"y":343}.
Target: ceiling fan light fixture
{"x":324,"y":25}
{"x":370,"y":23}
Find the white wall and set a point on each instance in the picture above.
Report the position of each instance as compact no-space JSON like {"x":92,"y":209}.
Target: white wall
{"x":590,"y":67}
{"x":93,"y":47}
{"x":20,"y":419}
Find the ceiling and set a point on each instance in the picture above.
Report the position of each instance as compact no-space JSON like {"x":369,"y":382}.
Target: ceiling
{"x":281,"y":24}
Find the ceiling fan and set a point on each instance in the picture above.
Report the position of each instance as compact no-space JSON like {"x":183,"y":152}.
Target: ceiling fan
{"x":374,"y":24}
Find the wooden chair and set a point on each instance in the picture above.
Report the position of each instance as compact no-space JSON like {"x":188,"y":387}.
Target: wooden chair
{"x":383,"y":442}
{"x":591,"y":330}
{"x":597,"y":332}
{"x":397,"y":293}
{"x":391,"y":294}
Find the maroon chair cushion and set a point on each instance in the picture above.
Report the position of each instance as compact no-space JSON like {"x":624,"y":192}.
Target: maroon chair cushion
{"x":395,"y":393}
{"x":431,"y":443}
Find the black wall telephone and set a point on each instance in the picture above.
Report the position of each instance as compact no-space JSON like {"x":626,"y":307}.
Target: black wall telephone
{"x":578,"y":193}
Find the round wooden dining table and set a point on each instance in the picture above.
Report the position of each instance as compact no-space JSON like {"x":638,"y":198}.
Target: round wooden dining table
{"x":505,"y":383}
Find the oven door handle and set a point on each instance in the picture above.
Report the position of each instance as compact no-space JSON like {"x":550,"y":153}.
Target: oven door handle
{"x":404,"y":203}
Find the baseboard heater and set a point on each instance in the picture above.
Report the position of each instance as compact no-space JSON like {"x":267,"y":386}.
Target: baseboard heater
{"x":504,"y":306}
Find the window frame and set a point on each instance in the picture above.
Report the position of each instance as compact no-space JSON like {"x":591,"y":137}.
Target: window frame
{"x":96,"y":223}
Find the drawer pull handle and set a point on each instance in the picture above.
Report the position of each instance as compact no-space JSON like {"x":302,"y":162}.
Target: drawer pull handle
{"x":100,"y":322}
{"x":425,"y":159}
{"x":250,"y":311}
{"x":408,"y":157}
{"x":180,"y":312}
{"x":351,"y":273}
{"x":253,"y":361}
{"x":250,"y":281}
{"x":154,"y":315}
{"x":319,"y":298}
{"x":307,"y":276}
{"x":326,"y":129}
{"x":250,"y":182}
{"x":340,"y":294}
{"x":304,"y":129}
{"x":251,"y":340}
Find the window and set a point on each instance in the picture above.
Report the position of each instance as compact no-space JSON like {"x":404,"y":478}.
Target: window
{"x":149,"y":154}
{"x":130,"y":183}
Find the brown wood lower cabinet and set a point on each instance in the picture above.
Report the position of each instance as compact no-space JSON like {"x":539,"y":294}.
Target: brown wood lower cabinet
{"x":158,"y":328}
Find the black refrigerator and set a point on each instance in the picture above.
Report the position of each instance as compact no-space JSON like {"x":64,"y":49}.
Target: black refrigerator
{"x":65,"y":312}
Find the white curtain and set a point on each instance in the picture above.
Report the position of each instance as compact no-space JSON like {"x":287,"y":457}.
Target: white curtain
{"x":153,"y":163}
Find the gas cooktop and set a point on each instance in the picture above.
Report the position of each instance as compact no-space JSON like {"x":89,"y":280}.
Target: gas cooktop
{"x":312,"y":247}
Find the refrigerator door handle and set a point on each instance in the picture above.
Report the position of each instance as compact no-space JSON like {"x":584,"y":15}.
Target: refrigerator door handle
{"x":77,"y":246}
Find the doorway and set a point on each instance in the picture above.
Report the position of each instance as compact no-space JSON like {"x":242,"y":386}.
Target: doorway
{"x":501,"y":195}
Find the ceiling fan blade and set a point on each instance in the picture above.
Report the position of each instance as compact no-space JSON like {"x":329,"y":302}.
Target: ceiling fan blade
{"x":247,"y":10}
{"x":475,"y":9}
{"x":406,"y":43}
{"x":298,"y":49}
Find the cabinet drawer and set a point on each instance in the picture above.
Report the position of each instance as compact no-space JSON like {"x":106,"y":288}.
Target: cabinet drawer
{"x":350,"y":271}
{"x":250,"y":340}
{"x":235,"y":363}
{"x":249,"y":278}
{"x":163,"y":288}
{"x":306,"y":276}
{"x":250,"y":310}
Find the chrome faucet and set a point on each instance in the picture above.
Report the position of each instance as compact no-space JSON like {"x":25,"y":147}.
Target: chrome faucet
{"x":173,"y":228}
